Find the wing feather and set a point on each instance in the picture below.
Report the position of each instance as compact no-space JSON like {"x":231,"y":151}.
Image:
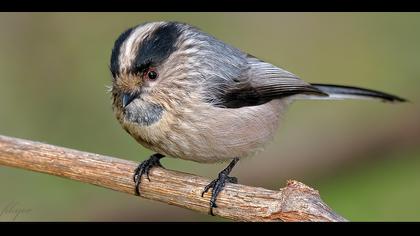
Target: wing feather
{"x":262,"y":82}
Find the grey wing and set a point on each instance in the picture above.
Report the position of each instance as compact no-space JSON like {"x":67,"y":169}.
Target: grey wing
{"x":262,"y":82}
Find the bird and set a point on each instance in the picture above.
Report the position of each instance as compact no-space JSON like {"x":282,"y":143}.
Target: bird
{"x":183,"y":93}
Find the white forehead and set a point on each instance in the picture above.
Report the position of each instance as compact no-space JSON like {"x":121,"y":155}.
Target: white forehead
{"x":129,"y":48}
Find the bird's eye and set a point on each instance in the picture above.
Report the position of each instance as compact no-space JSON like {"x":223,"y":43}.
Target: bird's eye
{"x":151,"y":74}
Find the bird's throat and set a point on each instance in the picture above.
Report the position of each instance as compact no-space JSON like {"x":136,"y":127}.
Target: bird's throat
{"x":143,"y":113}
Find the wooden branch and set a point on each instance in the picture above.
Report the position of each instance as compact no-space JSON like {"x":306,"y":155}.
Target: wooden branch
{"x":295,"y":202}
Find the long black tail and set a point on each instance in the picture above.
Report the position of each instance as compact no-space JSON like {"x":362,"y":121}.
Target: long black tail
{"x":348,"y":92}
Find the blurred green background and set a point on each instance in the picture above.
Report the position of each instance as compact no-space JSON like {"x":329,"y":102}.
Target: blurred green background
{"x":363,"y":156}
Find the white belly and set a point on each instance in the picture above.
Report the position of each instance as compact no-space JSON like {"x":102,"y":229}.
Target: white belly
{"x":218,"y":134}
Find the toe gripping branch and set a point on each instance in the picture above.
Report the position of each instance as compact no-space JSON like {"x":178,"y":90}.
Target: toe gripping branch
{"x":144,"y":168}
{"x":218,"y":184}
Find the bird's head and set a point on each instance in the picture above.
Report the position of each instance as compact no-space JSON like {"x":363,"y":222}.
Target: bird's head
{"x":141,"y":59}
{"x":150,"y":69}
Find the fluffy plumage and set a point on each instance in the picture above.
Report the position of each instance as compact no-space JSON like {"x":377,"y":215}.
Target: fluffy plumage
{"x":211,"y":101}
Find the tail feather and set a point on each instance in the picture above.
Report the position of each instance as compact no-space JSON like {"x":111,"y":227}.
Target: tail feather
{"x":348,"y":92}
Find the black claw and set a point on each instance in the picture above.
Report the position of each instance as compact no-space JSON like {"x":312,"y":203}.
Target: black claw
{"x":206,"y":189}
{"x":135,"y":174}
{"x":218,"y":184}
{"x":144,"y":168}
{"x":233,"y":180}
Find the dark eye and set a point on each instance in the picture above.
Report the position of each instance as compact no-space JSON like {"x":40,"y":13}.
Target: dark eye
{"x":152,"y":75}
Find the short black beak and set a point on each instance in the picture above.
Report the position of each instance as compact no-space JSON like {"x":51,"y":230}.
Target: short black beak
{"x":127,"y":98}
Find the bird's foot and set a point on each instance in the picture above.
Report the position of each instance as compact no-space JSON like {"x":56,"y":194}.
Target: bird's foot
{"x":218,"y":184}
{"x":144,"y":168}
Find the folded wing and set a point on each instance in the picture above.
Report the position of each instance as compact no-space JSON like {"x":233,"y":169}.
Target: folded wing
{"x":260,"y":83}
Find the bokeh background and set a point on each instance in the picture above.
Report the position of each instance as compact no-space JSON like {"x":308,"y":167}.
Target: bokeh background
{"x":363,"y":156}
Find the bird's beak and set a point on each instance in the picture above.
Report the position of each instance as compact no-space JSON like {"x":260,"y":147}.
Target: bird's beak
{"x":127,"y":98}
